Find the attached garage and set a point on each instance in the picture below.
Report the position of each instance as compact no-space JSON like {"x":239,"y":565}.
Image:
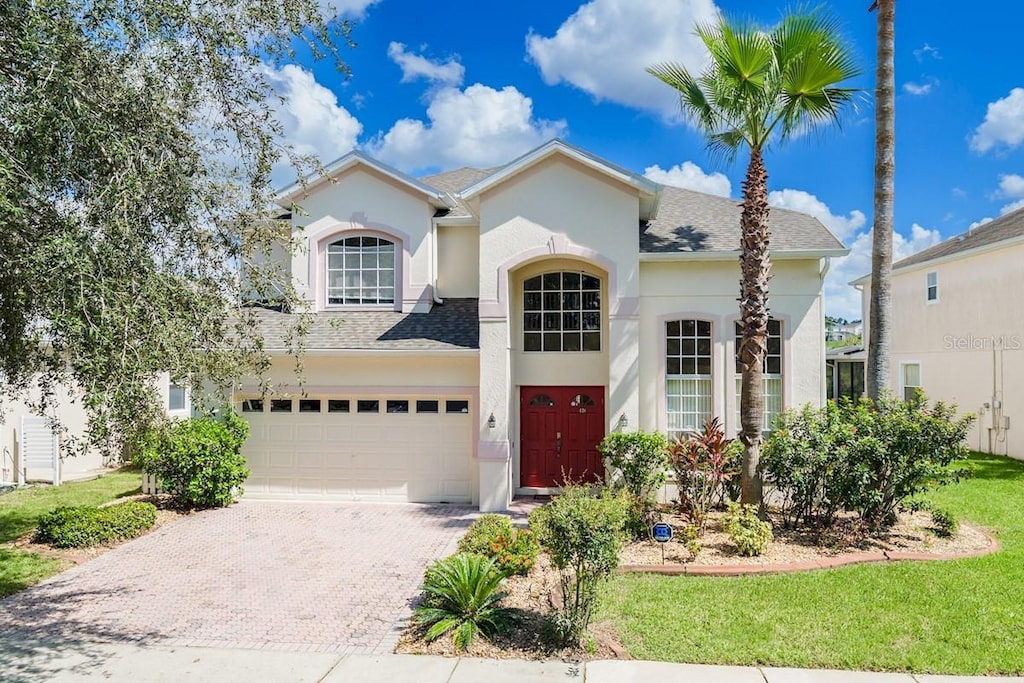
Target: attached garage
{"x":349,"y":446}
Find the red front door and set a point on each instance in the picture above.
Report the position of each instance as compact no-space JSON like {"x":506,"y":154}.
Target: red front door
{"x":561,"y":427}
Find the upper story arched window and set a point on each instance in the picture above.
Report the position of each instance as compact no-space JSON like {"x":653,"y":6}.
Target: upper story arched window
{"x":361,"y":271}
{"x":562,"y":312}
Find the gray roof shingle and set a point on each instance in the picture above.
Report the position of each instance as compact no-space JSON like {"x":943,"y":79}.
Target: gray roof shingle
{"x":691,"y":221}
{"x":455,"y":181}
{"x":453,"y":325}
{"x":1003,"y":228}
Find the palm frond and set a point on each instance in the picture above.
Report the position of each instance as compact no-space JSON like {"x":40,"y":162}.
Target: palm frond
{"x":692,"y":99}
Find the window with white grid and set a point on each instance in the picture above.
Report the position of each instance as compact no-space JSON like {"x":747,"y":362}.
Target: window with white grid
{"x":562,"y":312}
{"x":772,"y":377}
{"x":688,"y":380}
{"x":361,"y":271}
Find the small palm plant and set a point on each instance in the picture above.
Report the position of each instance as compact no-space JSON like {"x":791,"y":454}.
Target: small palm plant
{"x":462,"y":596}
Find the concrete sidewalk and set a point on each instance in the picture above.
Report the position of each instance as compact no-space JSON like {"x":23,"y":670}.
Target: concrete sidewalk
{"x":90,"y":662}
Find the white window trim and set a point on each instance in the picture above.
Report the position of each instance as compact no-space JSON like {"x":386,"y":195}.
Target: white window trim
{"x":716,"y":360}
{"x":396,"y":286}
{"x":927,"y":288}
{"x":784,"y":360}
{"x":186,"y":409}
{"x":903,"y":377}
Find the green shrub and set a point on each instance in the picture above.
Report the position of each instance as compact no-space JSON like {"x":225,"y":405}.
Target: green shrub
{"x":703,"y":466}
{"x":461,"y":595}
{"x":748,"y":532}
{"x":79,"y":527}
{"x":864,"y":457}
{"x":198,"y":460}
{"x":640,"y":460}
{"x":492,"y":535}
{"x":945,"y":522}
{"x":583,"y":534}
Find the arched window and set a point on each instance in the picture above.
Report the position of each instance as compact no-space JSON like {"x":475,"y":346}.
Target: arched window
{"x":361,"y":271}
{"x":688,"y":376}
{"x":562,"y":312}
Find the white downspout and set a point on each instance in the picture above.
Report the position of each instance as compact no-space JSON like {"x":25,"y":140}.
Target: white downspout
{"x":826,"y":264}
{"x":434,"y":262}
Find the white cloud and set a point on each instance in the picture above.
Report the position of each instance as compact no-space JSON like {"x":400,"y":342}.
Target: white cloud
{"x":979,"y":223}
{"x":604,"y":47}
{"x":1003,"y":124}
{"x":449,"y":72}
{"x":1011,"y":185}
{"x":843,"y":300}
{"x":917,"y":89}
{"x":927,"y":52}
{"x":312,"y":121}
{"x":1010,"y":208}
{"x":690,"y":176}
{"x":477,"y":126}
{"x":798,"y":200}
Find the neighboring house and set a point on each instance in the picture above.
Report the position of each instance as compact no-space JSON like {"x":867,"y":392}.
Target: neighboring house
{"x":844,"y":372}
{"x":30,"y":450}
{"x":838,"y":332}
{"x":477,"y":332}
{"x":958,"y":328}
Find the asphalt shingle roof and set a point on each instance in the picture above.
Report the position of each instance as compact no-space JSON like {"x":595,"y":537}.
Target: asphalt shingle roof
{"x":1003,"y":228}
{"x":455,"y":181}
{"x":691,"y":221}
{"x":450,"y":326}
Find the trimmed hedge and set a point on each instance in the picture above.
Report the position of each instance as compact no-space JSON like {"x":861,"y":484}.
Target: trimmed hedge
{"x":82,"y":526}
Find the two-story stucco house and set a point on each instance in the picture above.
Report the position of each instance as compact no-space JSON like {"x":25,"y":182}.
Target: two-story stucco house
{"x":958,"y":328}
{"x":478,"y":332}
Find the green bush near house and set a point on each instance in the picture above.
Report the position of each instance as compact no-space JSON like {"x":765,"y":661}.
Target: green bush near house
{"x":863,"y":457}
{"x":198,"y":460}
{"x":83,"y":526}
{"x":641,"y":460}
{"x":747,"y":531}
{"x":583,"y":534}
{"x":492,"y":535}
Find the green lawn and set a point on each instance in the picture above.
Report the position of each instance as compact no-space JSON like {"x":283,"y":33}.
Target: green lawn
{"x":959,"y":617}
{"x":20,"y":509}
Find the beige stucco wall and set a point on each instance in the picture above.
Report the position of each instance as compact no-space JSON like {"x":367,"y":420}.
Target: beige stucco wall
{"x":557,"y":214}
{"x":458,"y":258}
{"x":73,"y":418}
{"x":969,"y":343}
{"x":708,"y":291}
{"x":362,"y":200}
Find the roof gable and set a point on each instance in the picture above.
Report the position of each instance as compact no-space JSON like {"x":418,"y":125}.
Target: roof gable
{"x":648,"y":189}
{"x":990,"y":234}
{"x":305,"y":187}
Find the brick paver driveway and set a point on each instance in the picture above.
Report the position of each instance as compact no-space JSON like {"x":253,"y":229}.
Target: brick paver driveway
{"x":334,"y":577}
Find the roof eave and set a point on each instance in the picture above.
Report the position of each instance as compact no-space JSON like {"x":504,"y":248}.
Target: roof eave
{"x":287,"y":196}
{"x":776,"y":255}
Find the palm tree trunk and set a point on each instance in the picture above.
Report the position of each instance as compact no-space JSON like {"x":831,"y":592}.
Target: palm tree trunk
{"x":755,"y":264}
{"x":880,"y":315}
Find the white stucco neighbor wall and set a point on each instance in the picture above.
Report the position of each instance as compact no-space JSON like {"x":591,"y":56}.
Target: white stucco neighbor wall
{"x":557,"y":213}
{"x":708,"y":290}
{"x":969,"y":343}
{"x":362,"y":201}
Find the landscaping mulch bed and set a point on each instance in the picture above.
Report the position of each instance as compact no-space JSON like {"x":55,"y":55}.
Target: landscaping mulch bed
{"x":166,"y":513}
{"x":532,"y":597}
{"x":913,"y":533}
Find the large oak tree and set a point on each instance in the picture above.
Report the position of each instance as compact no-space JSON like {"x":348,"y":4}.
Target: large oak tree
{"x":136,"y":143}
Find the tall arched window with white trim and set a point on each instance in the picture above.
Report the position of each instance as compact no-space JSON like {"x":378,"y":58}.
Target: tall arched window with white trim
{"x":688,"y":380}
{"x":361,"y":271}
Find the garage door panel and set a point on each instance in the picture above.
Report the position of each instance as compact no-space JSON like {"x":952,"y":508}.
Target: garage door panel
{"x":363,"y":456}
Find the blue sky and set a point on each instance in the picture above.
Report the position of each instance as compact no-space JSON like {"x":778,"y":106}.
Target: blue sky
{"x":447,"y":84}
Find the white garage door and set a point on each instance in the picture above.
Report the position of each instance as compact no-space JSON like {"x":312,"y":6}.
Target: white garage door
{"x":351,"y":447}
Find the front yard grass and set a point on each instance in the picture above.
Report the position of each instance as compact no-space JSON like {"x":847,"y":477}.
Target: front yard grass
{"x":21,"y":509}
{"x":957,"y":617}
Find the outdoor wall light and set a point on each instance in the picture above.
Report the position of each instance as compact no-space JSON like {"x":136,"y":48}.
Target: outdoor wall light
{"x":491,"y":422}
{"x":623,"y":422}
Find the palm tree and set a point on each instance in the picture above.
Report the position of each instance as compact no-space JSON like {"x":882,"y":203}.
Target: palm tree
{"x":880,"y":313}
{"x":761,"y":86}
